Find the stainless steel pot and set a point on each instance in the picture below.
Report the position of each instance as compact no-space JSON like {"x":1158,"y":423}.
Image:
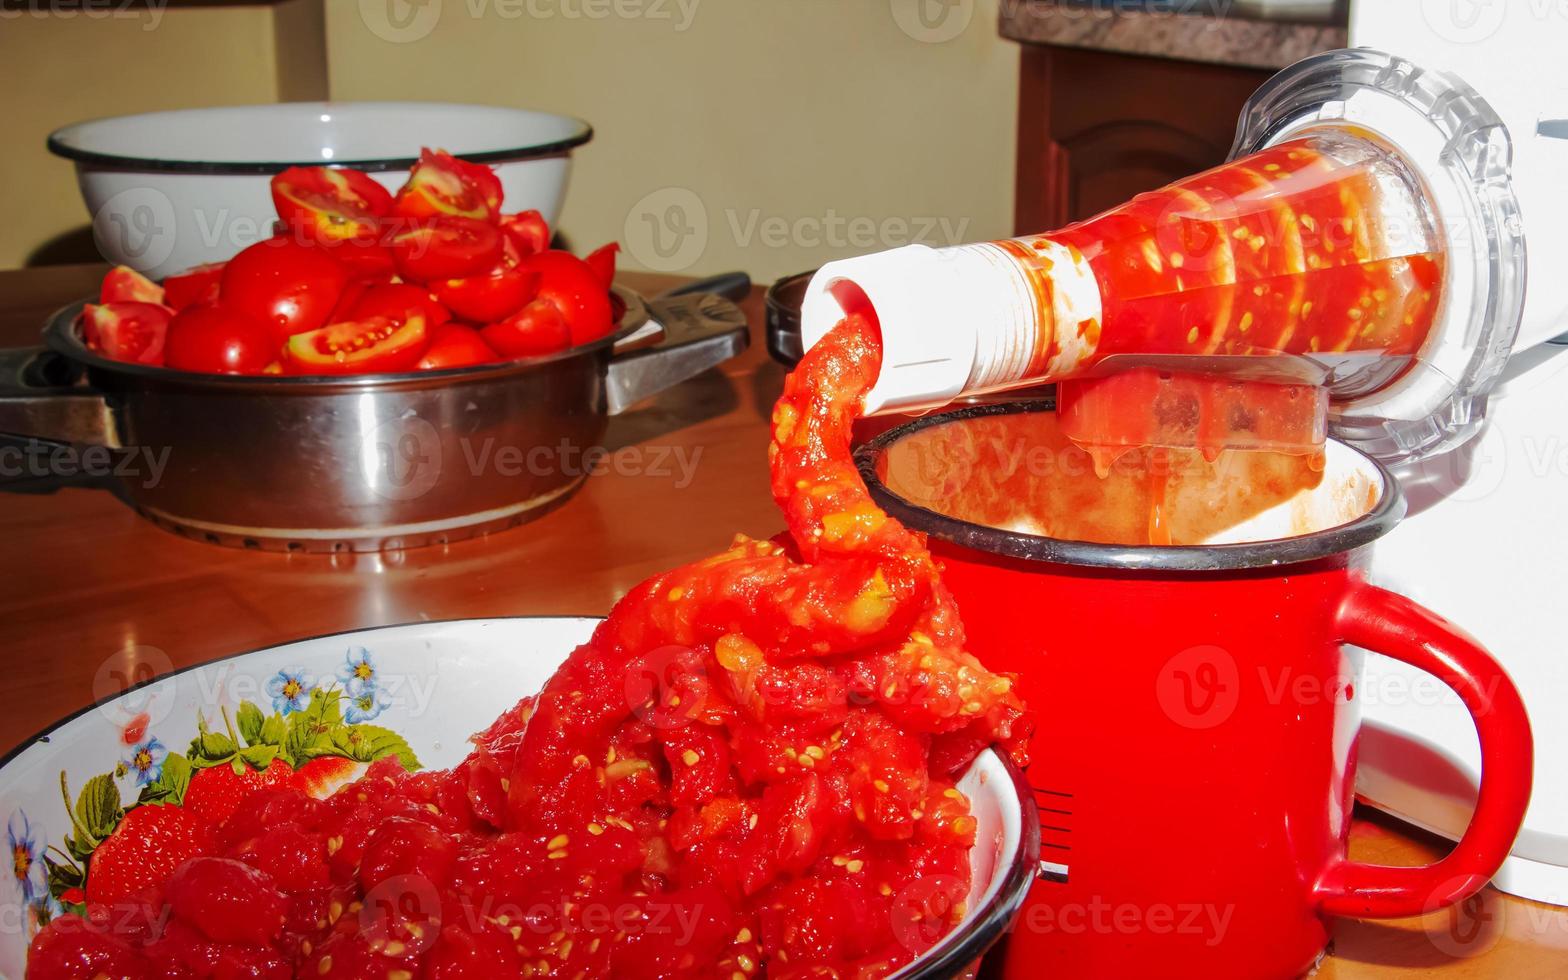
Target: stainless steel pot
{"x":372,"y":463}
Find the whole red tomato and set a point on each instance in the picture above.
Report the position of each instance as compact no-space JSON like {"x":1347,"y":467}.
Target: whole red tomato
{"x":567,"y":283}
{"x":211,"y":338}
{"x":287,"y":285}
{"x":453,"y":345}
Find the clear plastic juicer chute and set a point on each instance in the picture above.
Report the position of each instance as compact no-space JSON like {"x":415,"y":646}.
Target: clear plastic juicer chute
{"x":1357,"y":266}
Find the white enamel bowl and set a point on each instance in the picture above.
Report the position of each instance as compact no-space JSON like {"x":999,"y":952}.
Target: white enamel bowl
{"x":170,"y":190}
{"x":435,"y":684}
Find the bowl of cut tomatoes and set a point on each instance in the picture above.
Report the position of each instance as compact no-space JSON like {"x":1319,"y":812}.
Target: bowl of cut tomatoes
{"x":294,"y":771}
{"x":390,"y":369}
{"x":168,"y":191}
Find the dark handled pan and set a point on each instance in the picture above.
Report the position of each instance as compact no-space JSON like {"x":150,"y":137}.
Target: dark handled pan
{"x":368,"y":463}
{"x":782,"y":306}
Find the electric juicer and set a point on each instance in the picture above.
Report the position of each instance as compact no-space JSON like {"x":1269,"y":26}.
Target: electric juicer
{"x":1480,"y":541}
{"x":1388,"y":237}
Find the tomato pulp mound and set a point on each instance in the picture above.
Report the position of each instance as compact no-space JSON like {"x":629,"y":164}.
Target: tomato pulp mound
{"x":748,"y":771}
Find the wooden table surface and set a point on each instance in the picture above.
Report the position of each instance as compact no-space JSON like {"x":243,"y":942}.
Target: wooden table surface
{"x":85,"y":582}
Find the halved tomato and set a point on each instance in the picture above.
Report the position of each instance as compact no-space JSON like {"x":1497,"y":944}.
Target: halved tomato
{"x":396,"y":301}
{"x":446,"y":248}
{"x":535,"y":330}
{"x":527,"y":230}
{"x":453,"y":345}
{"x":602,"y":261}
{"x":442,"y":185}
{"x":210,"y":338}
{"x":290,"y":286}
{"x":365,"y":346}
{"x":330,"y":205}
{"x":198,"y":285}
{"x":130,"y":332}
{"x":567,"y":282}
{"x":124,"y":284}
{"x":343,"y":309}
{"x":367,"y":259}
{"x":491,"y":296}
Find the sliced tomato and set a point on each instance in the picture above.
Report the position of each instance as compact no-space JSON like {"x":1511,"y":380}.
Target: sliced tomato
{"x":442,"y":185}
{"x":537,"y":329}
{"x":397,"y":301}
{"x":353,"y":290}
{"x":527,"y":230}
{"x":602,"y":261}
{"x":213,"y":339}
{"x":446,"y":248}
{"x":453,"y":345}
{"x":492,"y":296}
{"x":327,"y":204}
{"x":367,"y":260}
{"x":124,"y":284}
{"x":198,"y":285}
{"x":566,"y":282}
{"x":130,"y":332}
{"x":366,"y":346}
{"x":288,"y":285}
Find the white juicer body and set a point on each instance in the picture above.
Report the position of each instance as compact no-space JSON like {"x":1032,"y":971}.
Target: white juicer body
{"x":1486,"y":544}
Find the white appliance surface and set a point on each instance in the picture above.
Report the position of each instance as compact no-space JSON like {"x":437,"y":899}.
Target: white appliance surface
{"x":1486,"y":545}
{"x":1490,"y":553}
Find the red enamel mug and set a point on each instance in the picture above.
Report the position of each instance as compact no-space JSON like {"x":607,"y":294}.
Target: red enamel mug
{"x":1194,"y":760}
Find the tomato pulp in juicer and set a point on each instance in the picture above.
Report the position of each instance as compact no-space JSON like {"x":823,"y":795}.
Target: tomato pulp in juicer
{"x":1303,"y":249}
{"x":1290,"y":251}
{"x":1219,"y":314}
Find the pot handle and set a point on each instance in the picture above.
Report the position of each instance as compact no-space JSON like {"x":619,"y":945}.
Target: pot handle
{"x":1387,"y":623}
{"x":40,"y":399}
{"x":700,"y":331}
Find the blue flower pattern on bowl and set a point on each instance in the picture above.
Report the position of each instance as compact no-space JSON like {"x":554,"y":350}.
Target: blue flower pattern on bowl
{"x":27,"y":865}
{"x":364,"y":698}
{"x":146,"y":761}
{"x":363,"y":706}
{"x":289,"y":690}
{"x":359,"y":670}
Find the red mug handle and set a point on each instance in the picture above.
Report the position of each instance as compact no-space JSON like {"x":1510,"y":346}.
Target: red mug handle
{"x":1387,"y":623}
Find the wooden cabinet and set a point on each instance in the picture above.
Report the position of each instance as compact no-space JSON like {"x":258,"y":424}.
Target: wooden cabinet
{"x":1096,"y":127}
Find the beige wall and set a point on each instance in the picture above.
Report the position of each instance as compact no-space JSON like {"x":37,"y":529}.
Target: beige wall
{"x":767,"y":135}
{"x":770,"y":134}
{"x":62,"y":69}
